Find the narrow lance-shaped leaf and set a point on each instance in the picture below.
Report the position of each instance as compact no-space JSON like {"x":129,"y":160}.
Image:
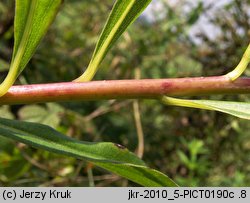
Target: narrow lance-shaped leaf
{"x":238,"y":109}
{"x":122,"y":15}
{"x":32,"y":20}
{"x":109,"y":156}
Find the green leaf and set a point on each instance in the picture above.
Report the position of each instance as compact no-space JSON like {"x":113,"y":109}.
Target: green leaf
{"x":109,"y":156}
{"x":238,"y":109}
{"x":122,"y":15}
{"x":32,"y":20}
{"x":195,"y":14}
{"x":5,"y":112}
{"x":36,"y":113}
{"x":14,"y":166}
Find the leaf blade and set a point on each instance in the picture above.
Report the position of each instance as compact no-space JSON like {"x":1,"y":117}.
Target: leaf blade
{"x":109,"y":156}
{"x":237,"y":109}
{"x":32,"y":20}
{"x":124,"y":13}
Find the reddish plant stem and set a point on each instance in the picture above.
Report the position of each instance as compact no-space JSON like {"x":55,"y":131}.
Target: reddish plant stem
{"x":124,"y":89}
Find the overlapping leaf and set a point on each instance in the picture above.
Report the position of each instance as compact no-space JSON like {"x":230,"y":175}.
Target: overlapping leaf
{"x":32,"y":20}
{"x":122,"y":15}
{"x":110,"y":156}
{"x":238,"y":109}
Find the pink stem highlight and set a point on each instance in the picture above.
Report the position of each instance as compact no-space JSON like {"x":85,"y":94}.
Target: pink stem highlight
{"x":124,"y":89}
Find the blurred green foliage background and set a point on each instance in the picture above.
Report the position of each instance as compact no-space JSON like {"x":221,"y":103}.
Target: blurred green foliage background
{"x":194,"y":147}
